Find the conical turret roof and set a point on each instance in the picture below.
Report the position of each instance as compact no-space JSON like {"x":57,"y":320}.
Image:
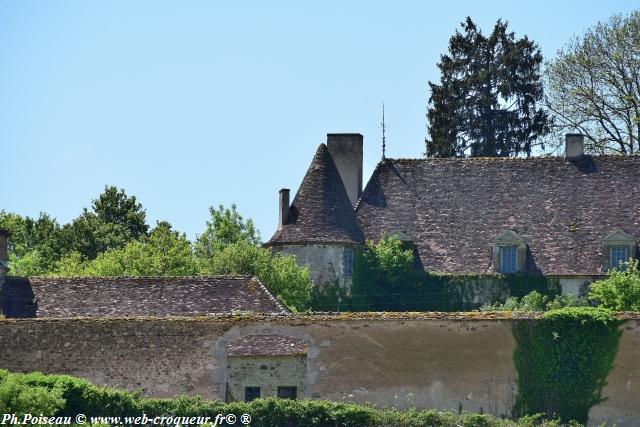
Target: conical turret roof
{"x":321,"y":211}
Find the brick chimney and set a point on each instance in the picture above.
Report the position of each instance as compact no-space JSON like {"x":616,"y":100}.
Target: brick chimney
{"x":284,"y":207}
{"x":4,"y":267}
{"x":346,"y":152}
{"x":574,"y":145}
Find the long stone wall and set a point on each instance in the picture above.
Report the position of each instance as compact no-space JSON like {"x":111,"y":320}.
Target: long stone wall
{"x":449,"y":363}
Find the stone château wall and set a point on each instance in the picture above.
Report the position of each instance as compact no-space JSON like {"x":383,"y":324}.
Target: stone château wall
{"x":444,"y":361}
{"x":324,"y":262}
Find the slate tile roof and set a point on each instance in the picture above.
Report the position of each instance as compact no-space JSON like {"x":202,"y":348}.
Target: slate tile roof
{"x":453,"y":209}
{"x":262,"y":345}
{"x":151,"y":296}
{"x":321,"y":211}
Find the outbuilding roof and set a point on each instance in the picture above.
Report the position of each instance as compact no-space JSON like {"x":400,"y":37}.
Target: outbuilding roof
{"x":145,"y":296}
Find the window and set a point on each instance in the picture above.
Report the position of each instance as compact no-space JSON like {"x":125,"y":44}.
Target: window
{"x":288,"y":392}
{"x":509,"y":253}
{"x":618,"y":255}
{"x":509,"y":259}
{"x":251,"y":393}
{"x":347,"y":262}
{"x":617,"y":247}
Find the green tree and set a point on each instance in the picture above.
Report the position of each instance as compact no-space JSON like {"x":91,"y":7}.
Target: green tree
{"x":384,"y":275}
{"x":113,"y":206}
{"x":487,"y":101}
{"x":620,"y":291}
{"x":593,"y":86}
{"x":164,"y":252}
{"x":280,"y":273}
{"x":34,"y":245}
{"x":225,"y":228}
{"x":114,"y":221}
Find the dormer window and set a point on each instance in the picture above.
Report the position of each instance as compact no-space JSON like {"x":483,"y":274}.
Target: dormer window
{"x":509,"y":259}
{"x":617,"y":248}
{"x":509,"y":253}
{"x":618,"y":255}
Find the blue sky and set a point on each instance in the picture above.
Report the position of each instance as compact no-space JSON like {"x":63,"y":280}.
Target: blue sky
{"x":199,"y":103}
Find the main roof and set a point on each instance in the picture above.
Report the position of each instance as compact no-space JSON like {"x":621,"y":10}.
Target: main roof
{"x":321,"y":211}
{"x":453,"y":209}
{"x":142,"y":296}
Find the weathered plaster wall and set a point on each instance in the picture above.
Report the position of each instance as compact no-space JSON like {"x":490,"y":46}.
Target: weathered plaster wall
{"x":324,"y":262}
{"x":266,"y":372}
{"x":445,"y":363}
{"x":622,"y":389}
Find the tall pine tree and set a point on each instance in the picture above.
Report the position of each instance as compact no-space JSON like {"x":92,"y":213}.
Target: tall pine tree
{"x":487,"y":101}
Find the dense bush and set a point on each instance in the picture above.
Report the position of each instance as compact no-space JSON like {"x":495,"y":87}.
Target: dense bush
{"x":62,"y":395}
{"x":620,"y":291}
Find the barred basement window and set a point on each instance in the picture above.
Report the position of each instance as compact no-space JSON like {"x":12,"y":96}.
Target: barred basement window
{"x":509,"y":259}
{"x":288,"y":392}
{"x":618,"y":255}
{"x":347,"y":262}
{"x":251,"y":393}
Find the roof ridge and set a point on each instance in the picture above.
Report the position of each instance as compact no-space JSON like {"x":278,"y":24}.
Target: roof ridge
{"x":533,"y":158}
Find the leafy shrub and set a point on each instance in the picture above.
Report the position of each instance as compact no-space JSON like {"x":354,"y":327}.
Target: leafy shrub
{"x":63,"y":395}
{"x":536,"y":301}
{"x":621,"y":290}
{"x":19,"y":398}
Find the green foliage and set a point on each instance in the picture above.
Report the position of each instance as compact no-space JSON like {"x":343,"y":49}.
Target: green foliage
{"x":536,"y":301}
{"x":384,"y":274}
{"x":163,"y":252}
{"x":592,"y":86}
{"x":114,"y":221}
{"x":280,"y":273}
{"x":113,"y":240}
{"x":388,"y":278}
{"x":68,"y":396}
{"x":563,"y":360}
{"x":620,"y":291}
{"x":34,"y":244}
{"x":114,"y":207}
{"x":487,"y":101}
{"x":19,"y":397}
{"x":227,"y":227}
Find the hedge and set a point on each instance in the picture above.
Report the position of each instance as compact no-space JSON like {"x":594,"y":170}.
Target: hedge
{"x":65,"y":395}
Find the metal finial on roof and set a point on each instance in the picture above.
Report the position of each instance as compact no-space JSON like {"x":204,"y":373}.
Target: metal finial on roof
{"x":384,"y":140}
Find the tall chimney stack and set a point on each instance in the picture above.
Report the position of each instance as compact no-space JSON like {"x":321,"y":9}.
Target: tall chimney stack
{"x":284,"y":207}
{"x":346,"y":152}
{"x":574,"y":145}
{"x":4,"y":267}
